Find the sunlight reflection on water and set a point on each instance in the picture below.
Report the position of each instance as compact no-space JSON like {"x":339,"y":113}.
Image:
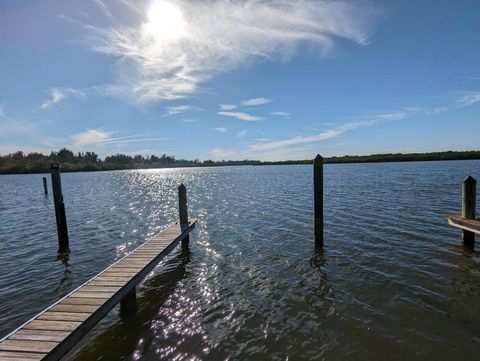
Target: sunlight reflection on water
{"x":391,"y":283}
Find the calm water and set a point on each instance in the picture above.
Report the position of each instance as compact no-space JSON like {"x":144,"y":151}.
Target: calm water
{"x":393,"y":281}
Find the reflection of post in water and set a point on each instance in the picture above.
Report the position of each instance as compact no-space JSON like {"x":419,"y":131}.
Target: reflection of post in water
{"x":122,"y":338}
{"x":64,"y":259}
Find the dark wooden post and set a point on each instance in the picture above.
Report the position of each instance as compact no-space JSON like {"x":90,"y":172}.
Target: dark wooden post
{"x":183,"y":211}
{"x":128,"y":304}
{"x":318,"y":199}
{"x":469,"y":195}
{"x":45,"y":186}
{"x":63,"y":242}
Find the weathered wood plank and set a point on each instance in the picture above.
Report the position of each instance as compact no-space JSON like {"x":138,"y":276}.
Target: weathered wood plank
{"x":61,"y":307}
{"x":39,"y":335}
{"x":52,"y":325}
{"x":98,"y":288}
{"x":21,"y":356}
{"x":472,"y":225}
{"x":82,"y":301}
{"x":109,"y":283}
{"x":100,"y":295}
{"x":27,"y":346}
{"x":63,"y":316}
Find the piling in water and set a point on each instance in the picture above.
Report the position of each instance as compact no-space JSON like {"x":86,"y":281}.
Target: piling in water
{"x":469,"y":194}
{"x":60,"y":216}
{"x":45,"y":186}
{"x":183,"y":210}
{"x":318,"y":199}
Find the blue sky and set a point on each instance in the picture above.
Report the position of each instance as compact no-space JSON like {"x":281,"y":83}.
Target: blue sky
{"x":267,"y":80}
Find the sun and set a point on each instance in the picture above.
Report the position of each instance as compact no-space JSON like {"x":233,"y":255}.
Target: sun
{"x":165,"y":21}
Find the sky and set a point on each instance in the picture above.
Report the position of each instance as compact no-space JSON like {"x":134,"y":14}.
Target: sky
{"x":268,"y":80}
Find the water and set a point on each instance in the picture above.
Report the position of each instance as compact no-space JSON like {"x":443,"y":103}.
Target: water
{"x":393,"y":281}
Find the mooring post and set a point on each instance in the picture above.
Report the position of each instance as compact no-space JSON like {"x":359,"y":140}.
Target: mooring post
{"x":183,"y":211}
{"x":318,"y":199}
{"x":469,"y":195}
{"x":45,"y":186}
{"x":63,"y":242}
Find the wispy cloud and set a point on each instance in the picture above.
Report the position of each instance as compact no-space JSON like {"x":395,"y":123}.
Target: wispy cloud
{"x":56,"y":96}
{"x":103,"y":7}
{"x":173,"y":110}
{"x":221,"y":130}
{"x":255,"y":102}
{"x":241,"y":116}
{"x":219,"y":153}
{"x":208,"y":38}
{"x":469,"y":99}
{"x":281,"y":114}
{"x":242,"y":133}
{"x":328,"y":134}
{"x":98,"y":137}
{"x":228,"y":106}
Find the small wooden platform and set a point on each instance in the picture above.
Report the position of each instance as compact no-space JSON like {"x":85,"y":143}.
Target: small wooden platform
{"x":472,"y":225}
{"x":53,"y":332}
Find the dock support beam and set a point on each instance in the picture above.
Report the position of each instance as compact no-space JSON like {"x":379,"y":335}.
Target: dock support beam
{"x":45,"y":186}
{"x":318,"y":199}
{"x":128,"y":304}
{"x":183,"y":211}
{"x":469,"y":195}
{"x":61,"y":218}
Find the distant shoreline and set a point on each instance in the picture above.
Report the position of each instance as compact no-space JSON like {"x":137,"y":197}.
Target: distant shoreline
{"x":34,"y":163}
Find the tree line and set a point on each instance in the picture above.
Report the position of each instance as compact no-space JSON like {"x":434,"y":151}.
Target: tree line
{"x":19,"y":162}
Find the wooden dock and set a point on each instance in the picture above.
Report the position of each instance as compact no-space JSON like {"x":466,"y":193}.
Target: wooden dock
{"x":471,"y":225}
{"x":53,"y":332}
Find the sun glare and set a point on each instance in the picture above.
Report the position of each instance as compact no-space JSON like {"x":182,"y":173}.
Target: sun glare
{"x":165,"y":21}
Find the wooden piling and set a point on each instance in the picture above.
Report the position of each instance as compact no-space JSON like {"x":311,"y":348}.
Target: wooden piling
{"x":469,"y":194}
{"x":60,"y":216}
{"x":128,"y":304}
{"x":183,"y":210}
{"x":318,"y":199}
{"x":45,"y":186}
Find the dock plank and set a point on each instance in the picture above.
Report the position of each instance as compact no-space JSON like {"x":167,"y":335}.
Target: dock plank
{"x":53,"y":332}
{"x":63,"y":316}
{"x":39,"y":335}
{"x":52,"y":325}
{"x":27,"y":346}
{"x":61,"y":307}
{"x":472,"y":225}
{"x":21,"y":356}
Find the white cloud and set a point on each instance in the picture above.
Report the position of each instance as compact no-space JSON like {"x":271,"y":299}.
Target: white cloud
{"x":242,"y":133}
{"x":281,"y":114}
{"x":90,"y":137}
{"x":328,"y":134}
{"x":241,"y":116}
{"x":255,"y":101}
{"x":98,"y":137}
{"x":173,"y":110}
{"x":228,"y":106}
{"x":188,"y":120}
{"x":469,"y":99}
{"x":207,"y":38}
{"x":221,"y":153}
{"x":221,"y":130}
{"x":56,"y":96}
